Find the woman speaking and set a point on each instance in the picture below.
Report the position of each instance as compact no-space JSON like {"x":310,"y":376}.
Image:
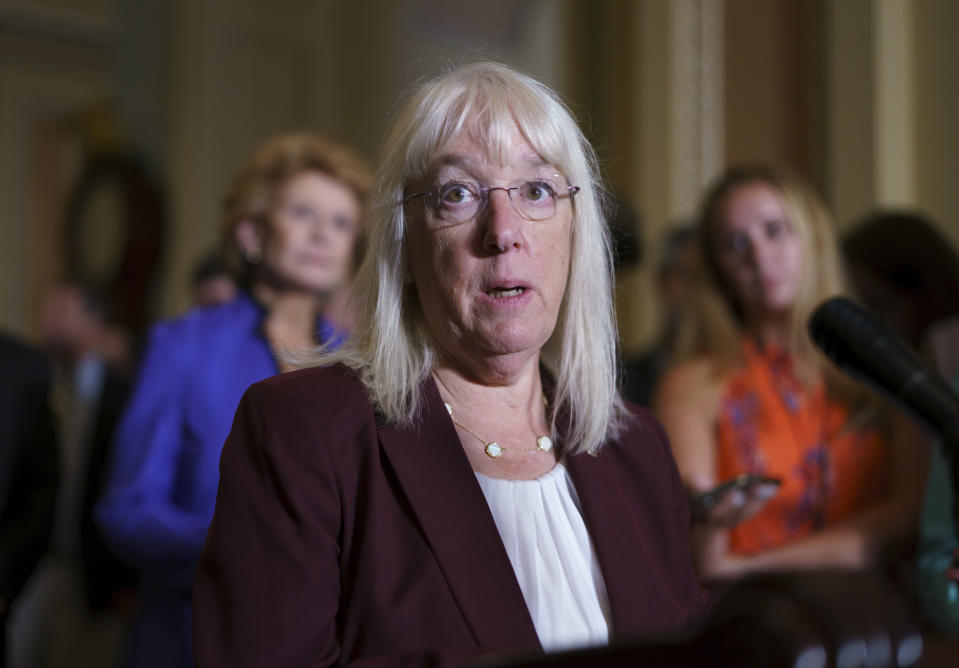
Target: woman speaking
{"x":461,"y":476}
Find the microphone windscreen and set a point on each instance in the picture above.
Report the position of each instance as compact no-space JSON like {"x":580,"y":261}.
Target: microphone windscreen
{"x":856,"y":342}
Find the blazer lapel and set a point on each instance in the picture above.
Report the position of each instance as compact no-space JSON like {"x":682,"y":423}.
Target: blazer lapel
{"x":633,"y":581}
{"x":443,"y":492}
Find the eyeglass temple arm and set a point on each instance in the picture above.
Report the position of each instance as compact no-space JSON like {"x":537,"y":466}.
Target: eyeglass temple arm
{"x":410,"y":198}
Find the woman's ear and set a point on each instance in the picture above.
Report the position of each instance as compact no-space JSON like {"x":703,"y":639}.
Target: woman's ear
{"x":249,"y":238}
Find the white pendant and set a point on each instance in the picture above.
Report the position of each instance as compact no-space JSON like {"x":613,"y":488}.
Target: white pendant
{"x":544,"y":443}
{"x":493,"y":450}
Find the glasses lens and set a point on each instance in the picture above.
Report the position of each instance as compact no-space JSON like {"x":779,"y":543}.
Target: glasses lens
{"x":457,"y":202}
{"x":534,"y":199}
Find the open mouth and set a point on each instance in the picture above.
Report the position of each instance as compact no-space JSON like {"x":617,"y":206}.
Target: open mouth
{"x":503,"y":293}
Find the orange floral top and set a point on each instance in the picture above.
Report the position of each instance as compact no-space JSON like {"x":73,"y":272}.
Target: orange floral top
{"x":769,"y":424}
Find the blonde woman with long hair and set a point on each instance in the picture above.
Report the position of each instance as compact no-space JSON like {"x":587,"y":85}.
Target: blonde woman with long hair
{"x":789,"y":464}
{"x":461,"y":477}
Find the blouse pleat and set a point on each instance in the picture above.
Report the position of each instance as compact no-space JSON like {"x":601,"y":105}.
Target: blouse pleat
{"x":552,"y":556}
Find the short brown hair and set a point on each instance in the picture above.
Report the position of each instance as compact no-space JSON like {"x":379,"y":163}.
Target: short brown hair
{"x":255,"y":188}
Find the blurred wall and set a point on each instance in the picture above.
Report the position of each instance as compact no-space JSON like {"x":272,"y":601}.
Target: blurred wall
{"x":936,"y":98}
{"x":855,"y":95}
{"x":55,"y":58}
{"x":771,"y":102}
{"x":246,"y":69}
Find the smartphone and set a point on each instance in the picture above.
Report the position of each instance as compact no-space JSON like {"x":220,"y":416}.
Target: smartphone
{"x":744,"y":481}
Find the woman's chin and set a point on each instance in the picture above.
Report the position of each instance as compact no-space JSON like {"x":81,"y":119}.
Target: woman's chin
{"x":514,"y":343}
{"x":313,"y":285}
{"x":776,"y":311}
{"x":770,"y":305}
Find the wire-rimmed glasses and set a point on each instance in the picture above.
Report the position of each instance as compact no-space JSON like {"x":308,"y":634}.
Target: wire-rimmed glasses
{"x":459,"y":201}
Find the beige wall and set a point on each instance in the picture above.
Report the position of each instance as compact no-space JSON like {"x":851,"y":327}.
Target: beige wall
{"x":859,"y":95}
{"x":848,"y":77}
{"x":247,"y":69}
{"x":54,"y":59}
{"x":892,"y":68}
{"x":771,"y":99}
{"x":676,"y":141}
{"x":936,"y":85}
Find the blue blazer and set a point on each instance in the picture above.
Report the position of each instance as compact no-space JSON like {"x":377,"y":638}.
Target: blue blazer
{"x":160,"y":494}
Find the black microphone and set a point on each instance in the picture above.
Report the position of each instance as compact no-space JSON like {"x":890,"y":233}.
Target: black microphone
{"x":867,"y":350}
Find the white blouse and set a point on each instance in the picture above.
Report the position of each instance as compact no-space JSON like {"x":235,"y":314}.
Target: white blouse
{"x":543,"y":531}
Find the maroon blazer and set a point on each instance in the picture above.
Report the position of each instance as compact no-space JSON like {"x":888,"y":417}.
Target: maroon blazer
{"x":338,"y":536}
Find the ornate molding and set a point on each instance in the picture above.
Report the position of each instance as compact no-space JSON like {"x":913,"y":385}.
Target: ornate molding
{"x":697,"y":100}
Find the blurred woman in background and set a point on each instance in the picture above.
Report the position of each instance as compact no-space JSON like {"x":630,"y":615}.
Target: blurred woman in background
{"x":291,"y":237}
{"x":754,"y":397}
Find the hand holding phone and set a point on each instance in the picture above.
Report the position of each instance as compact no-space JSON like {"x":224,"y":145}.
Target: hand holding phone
{"x":734,"y":500}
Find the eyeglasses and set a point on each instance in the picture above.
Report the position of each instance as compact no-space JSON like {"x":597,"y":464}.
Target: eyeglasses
{"x":456,"y":202}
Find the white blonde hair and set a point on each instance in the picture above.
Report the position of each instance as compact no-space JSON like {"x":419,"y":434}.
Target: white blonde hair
{"x":390,"y":347}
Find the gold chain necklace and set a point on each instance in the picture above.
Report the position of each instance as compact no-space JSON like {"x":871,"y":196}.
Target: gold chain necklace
{"x":492,"y":448}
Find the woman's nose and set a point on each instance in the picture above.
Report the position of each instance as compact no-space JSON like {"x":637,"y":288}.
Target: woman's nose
{"x":501,"y":223}
{"x":764,"y":255}
{"x":320,"y":227}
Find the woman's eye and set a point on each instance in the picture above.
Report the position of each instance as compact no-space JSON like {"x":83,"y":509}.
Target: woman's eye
{"x":342,"y":223}
{"x":737,"y":243}
{"x":301,"y":212}
{"x":775,"y":229}
{"x":537,"y":191}
{"x":455,"y":194}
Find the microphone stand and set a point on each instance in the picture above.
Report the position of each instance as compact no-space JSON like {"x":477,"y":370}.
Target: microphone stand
{"x":860,"y":345}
